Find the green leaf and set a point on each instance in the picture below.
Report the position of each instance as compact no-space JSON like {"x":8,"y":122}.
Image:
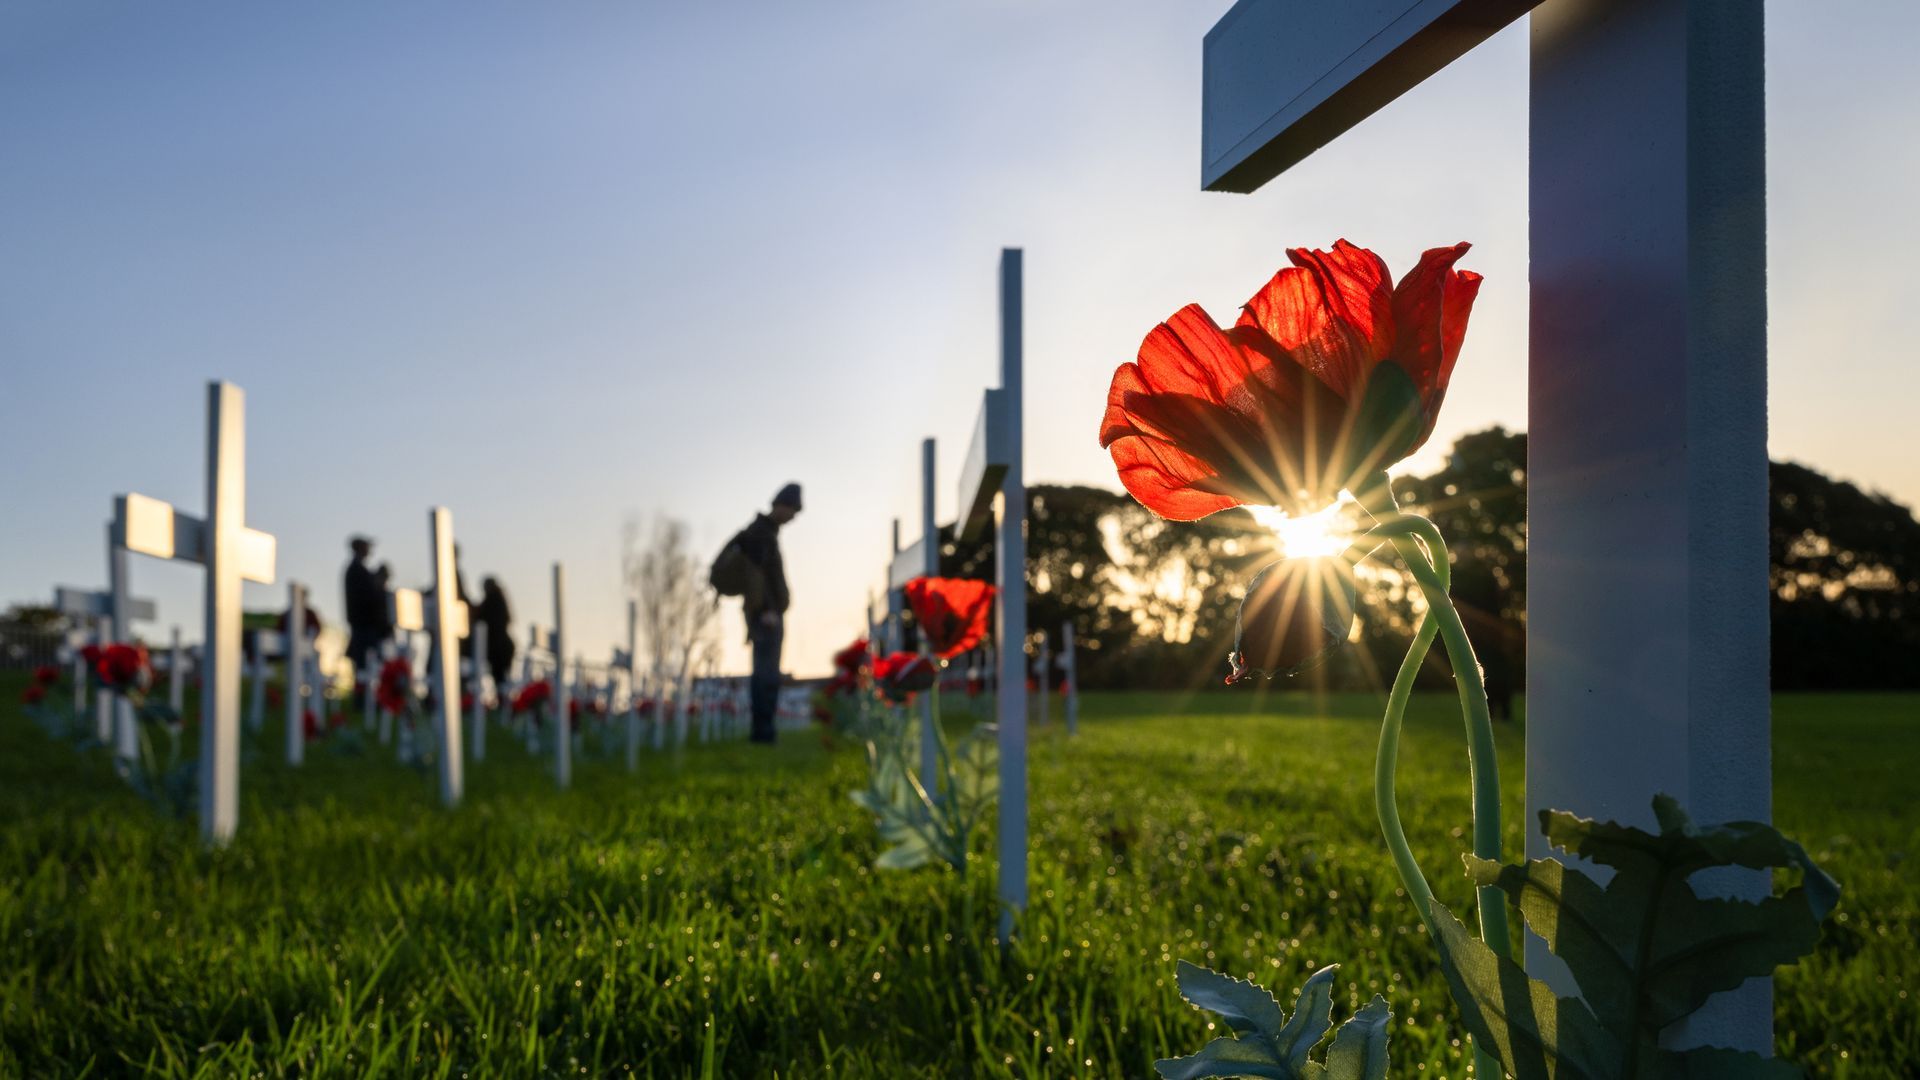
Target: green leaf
{"x":1245,"y":1007}
{"x":1535,"y":1033}
{"x":1227,"y":1057}
{"x":1271,"y":1045}
{"x":1646,"y":949}
{"x":1359,"y":1050}
{"x":1312,"y":1016}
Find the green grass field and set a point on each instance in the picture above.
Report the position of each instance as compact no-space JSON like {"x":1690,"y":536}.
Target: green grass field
{"x":715,"y":915}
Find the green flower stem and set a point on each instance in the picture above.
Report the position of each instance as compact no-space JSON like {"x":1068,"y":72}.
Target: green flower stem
{"x":1407,"y":533}
{"x":1386,"y":762}
{"x":1482,"y":760}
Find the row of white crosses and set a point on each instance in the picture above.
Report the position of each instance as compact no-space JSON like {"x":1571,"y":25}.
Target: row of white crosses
{"x":1647,"y":634}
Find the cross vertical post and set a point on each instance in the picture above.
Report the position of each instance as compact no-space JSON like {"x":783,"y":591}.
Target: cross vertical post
{"x":1647,"y":624}
{"x":103,"y":709}
{"x":930,"y":566}
{"x":1010,"y":570}
{"x":296,"y":653}
{"x":1070,"y":676}
{"x":220,"y":651}
{"x":562,"y":698}
{"x":1044,"y":665}
{"x":633,"y":684}
{"x":176,"y":675}
{"x":479,"y":719}
{"x":126,"y":741}
{"x":449,"y":626}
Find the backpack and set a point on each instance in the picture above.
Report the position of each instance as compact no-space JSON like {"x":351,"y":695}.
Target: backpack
{"x":733,"y":572}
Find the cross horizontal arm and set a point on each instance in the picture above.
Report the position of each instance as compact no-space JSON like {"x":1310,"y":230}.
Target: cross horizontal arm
{"x":148,"y":526}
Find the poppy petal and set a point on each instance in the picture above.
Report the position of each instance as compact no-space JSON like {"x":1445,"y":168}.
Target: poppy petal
{"x":1332,"y":312}
{"x":1430,"y":309}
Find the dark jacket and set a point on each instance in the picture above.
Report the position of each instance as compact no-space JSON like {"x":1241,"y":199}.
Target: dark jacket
{"x":760,"y":543}
{"x":366,"y":600}
{"x":492,"y":613}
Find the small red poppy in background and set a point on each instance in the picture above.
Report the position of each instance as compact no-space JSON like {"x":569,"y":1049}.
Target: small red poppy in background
{"x":124,"y":668}
{"x":952,"y":612}
{"x":466,"y":701}
{"x":903,"y":674}
{"x":532,"y":696}
{"x":394,"y":692}
{"x":46,"y":674}
{"x":1330,"y":375}
{"x":34,"y":694}
{"x":852,"y":658}
{"x":310,"y":722}
{"x":976,"y":685}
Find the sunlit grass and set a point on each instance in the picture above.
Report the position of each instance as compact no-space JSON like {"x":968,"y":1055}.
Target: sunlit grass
{"x":718,"y":917}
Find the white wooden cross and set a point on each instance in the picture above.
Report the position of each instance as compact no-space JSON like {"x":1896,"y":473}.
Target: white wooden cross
{"x":176,"y":674}
{"x":450,"y":621}
{"x":297,"y":650}
{"x":1647,"y":634}
{"x":445,"y":623}
{"x":561,"y":700}
{"x":477,"y":744}
{"x":1070,"y":675}
{"x":1044,"y":667}
{"x":231,"y":554}
{"x":97,"y":611}
{"x":628,"y":660}
{"x":993,"y":489}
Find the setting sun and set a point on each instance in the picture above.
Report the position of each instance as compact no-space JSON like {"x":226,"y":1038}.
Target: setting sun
{"x":1328,"y":532}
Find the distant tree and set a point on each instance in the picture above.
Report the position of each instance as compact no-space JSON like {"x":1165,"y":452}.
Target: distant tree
{"x":1846,"y":585}
{"x":1154,"y":602}
{"x":678,"y":609}
{"x":1479,"y":502}
{"x":34,"y":617}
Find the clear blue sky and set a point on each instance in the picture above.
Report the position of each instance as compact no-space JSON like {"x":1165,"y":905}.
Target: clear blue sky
{"x":553,"y":265}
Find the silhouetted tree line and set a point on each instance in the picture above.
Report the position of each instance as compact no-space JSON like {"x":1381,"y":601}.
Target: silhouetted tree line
{"x":1154,"y":602}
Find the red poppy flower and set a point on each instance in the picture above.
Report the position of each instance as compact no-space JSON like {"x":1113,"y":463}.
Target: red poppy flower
{"x":952,"y":612}
{"x":1330,"y":376}
{"x":310,"y":722}
{"x":124,"y":667}
{"x":975,"y":685}
{"x":34,"y":694}
{"x":903,"y":674}
{"x":851,"y":658}
{"x":532,"y":696}
{"x":466,"y":701}
{"x":645,"y":707}
{"x":46,"y":674}
{"x":90,"y":656}
{"x":394,"y":693}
